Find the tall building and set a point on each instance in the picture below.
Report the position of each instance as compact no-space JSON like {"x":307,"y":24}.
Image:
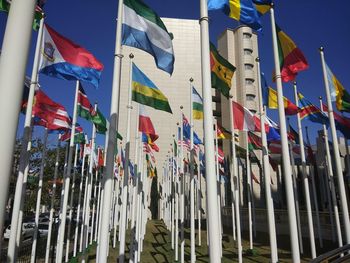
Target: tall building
{"x":186,"y":43}
{"x":240,"y":47}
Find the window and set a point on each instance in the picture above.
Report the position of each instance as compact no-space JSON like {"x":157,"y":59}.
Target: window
{"x":252,"y":111}
{"x":249,"y":81}
{"x":250,"y":97}
{"x":248,"y":66}
{"x":247,"y":35}
{"x":247,"y":51}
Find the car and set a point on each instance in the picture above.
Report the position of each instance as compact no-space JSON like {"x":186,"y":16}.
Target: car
{"x":27,"y":231}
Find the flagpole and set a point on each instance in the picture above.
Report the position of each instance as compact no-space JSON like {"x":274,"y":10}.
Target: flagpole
{"x":113,"y":128}
{"x":182,"y":184}
{"x":267,"y":175}
{"x":172,"y":198}
{"x":24,"y":159}
{"x":305,"y":179}
{"x":193,"y":237}
{"x":199,"y":204}
{"x":53,"y":193}
{"x":122,"y":227}
{"x":79,"y":205}
{"x":212,"y":216}
{"x":62,"y":226}
{"x":293,"y":230}
{"x":177,"y":199}
{"x":234,"y":185}
{"x":15,"y":50}
{"x":342,"y":193}
{"x":249,"y":193}
{"x":38,"y":199}
{"x":331,"y":181}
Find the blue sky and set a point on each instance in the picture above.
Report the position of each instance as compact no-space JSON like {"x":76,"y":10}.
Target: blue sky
{"x":310,"y":24}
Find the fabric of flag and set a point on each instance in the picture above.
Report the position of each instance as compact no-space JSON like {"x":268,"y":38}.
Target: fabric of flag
{"x":243,"y":11}
{"x":197,"y":105}
{"x":66,"y":60}
{"x":291,"y":58}
{"x":224,"y":134}
{"x":52,"y":113}
{"x":338,"y":92}
{"x":221,"y":155}
{"x":245,"y":120}
{"x":175,"y":148}
{"x":262,"y":6}
{"x":221,"y":72}
{"x":87,"y":111}
{"x":273,"y":134}
{"x":289,"y":107}
{"x":293,"y":135}
{"x":146,"y":138}
{"x":254,"y":142}
{"x":142,"y":28}
{"x":78,"y":137}
{"x":219,"y":133}
{"x":145,"y":92}
{"x":146,"y":125}
{"x":100,"y":158}
{"x":341,"y":123}
{"x":265,"y":89}
{"x":311,"y":112}
{"x":186,"y":128}
{"x":39,"y":14}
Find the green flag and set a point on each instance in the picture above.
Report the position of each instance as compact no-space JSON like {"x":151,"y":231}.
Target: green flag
{"x":100,"y":122}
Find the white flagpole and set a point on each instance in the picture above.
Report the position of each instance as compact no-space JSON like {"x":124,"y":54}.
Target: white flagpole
{"x":177,"y":197}
{"x":76,"y":232}
{"x":235,"y":185}
{"x":267,"y":175}
{"x":113,"y":128}
{"x":305,"y":179}
{"x":98,"y":215}
{"x":249,"y":193}
{"x":15,"y":50}
{"x":70,"y":216}
{"x":172,"y":198}
{"x":182,"y":198}
{"x":94,"y":208}
{"x":62,"y":226}
{"x":331,"y":181}
{"x":26,"y":146}
{"x":342,"y":193}
{"x":53,"y":194}
{"x":193,"y":229}
{"x":123,"y":215}
{"x":293,"y":230}
{"x":212,"y":216}
{"x":199,"y":203}
{"x":38,"y":199}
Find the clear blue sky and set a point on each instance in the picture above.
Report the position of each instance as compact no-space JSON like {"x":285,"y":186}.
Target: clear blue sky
{"x":310,"y":24}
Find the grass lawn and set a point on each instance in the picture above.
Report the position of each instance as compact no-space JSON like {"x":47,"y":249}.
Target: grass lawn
{"x":157,"y":247}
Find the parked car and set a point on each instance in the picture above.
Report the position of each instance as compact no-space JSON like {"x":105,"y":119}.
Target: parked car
{"x":27,"y":231}
{"x":43,"y":229}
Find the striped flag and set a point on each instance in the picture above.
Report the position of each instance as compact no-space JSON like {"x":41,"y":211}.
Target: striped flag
{"x":197,"y":105}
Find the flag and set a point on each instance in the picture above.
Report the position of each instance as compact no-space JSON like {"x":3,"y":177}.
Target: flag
{"x":145,"y":92}
{"x":39,"y":14}
{"x":64,"y":59}
{"x":197,"y":105}
{"x":221,"y":72}
{"x":293,"y":135}
{"x":341,"y":123}
{"x":219,"y":133}
{"x":254,"y":142}
{"x":311,"y":112}
{"x":186,"y":129}
{"x":221,"y":155}
{"x":245,"y":120}
{"x":273,"y":134}
{"x":100,"y":158}
{"x":223,"y":133}
{"x":265,"y":89}
{"x":175,"y":148}
{"x":291,"y":58}
{"x":338,"y":92}
{"x":146,"y":138}
{"x":145,"y":124}
{"x":244,"y":11}
{"x":143,"y":29}
{"x":262,"y":6}
{"x":289,"y":107}
{"x":78,"y":137}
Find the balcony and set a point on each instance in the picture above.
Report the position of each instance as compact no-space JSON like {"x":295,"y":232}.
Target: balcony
{"x":249,"y":74}
{"x":252,"y":105}
{"x":248,"y":59}
{"x":250,"y":89}
{"x":247,"y":43}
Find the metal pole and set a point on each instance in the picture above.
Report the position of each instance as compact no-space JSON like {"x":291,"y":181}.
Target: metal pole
{"x":113,"y":128}
{"x":53,"y":194}
{"x":24,"y":160}
{"x":235,"y":185}
{"x":123,"y":215}
{"x":293,"y":230}
{"x":342,"y":193}
{"x":172,"y":199}
{"x":177,"y":199}
{"x":305,"y":179}
{"x":249,"y":193}
{"x":182,"y":190}
{"x":193,"y":229}
{"x":62,"y":226}
{"x":331,"y":182}
{"x":38,"y":199}
{"x":212,"y":216}
{"x":267,"y":175}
